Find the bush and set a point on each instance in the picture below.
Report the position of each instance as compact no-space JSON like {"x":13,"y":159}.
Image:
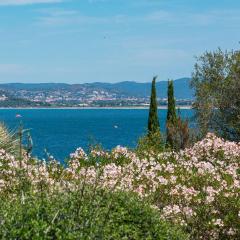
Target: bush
{"x":197,"y":188}
{"x":151,"y":142}
{"x":44,"y":200}
{"x":178,"y":134}
{"x":91,"y":214}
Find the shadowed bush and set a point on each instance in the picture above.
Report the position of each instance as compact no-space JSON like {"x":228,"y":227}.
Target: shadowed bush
{"x":92,"y":214}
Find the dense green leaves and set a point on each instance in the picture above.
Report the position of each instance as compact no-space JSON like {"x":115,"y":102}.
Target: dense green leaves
{"x":171,"y":114}
{"x":153,"y":122}
{"x":97,"y":214}
{"x":178,"y":132}
{"x":216,"y":80}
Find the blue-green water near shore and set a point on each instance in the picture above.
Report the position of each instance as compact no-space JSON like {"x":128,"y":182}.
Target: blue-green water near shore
{"x":61,"y":131}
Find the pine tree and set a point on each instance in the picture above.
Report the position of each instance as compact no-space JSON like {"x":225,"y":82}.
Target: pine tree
{"x":153,"y":123}
{"x":171,"y":113}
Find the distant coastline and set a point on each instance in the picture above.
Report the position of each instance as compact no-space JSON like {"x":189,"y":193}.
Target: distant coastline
{"x":105,"y":108}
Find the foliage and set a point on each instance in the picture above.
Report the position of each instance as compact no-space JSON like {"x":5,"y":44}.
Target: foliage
{"x":43,"y":200}
{"x":151,"y":142}
{"x":197,"y":188}
{"x":178,"y":134}
{"x":216,"y":81}
{"x":93,"y":196}
{"x":96,"y":214}
{"x":8,"y":140}
{"x":171,"y":115}
{"x":153,"y":122}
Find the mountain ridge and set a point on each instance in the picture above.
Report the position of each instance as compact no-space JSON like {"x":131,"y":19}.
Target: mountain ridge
{"x":125,"y":88}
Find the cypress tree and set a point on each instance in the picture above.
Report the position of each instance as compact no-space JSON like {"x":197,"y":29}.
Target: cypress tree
{"x":153,"y":123}
{"x":171,"y":113}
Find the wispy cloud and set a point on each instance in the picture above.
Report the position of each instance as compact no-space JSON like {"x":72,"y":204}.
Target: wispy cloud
{"x":58,"y":17}
{"x":26,"y":2}
{"x":205,"y":18}
{"x":96,"y":1}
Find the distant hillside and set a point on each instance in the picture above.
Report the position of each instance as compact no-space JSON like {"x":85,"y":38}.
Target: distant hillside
{"x":182,"y":89}
{"x":7,"y":100}
{"x":127,"y":89}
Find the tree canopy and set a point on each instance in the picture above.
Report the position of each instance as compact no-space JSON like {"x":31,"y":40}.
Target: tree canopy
{"x":216,"y":80}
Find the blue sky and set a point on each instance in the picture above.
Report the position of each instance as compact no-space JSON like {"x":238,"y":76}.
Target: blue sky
{"x":78,"y":41}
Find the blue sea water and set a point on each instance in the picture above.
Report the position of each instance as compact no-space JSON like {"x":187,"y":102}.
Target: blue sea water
{"x":61,"y":131}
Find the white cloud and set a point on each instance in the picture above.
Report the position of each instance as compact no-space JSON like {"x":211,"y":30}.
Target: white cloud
{"x":26,"y":2}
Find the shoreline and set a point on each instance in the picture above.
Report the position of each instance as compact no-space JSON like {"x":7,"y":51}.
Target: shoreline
{"x":93,"y":108}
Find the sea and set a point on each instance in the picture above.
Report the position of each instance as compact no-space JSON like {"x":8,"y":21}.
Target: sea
{"x":59,"y":132}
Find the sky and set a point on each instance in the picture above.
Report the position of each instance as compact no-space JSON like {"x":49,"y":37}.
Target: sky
{"x":79,"y":41}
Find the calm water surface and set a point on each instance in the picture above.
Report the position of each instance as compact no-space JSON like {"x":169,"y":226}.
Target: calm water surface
{"x":61,"y":131}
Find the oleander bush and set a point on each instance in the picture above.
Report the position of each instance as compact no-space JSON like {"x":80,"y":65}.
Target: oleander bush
{"x":43,"y":200}
{"x":196,"y":189}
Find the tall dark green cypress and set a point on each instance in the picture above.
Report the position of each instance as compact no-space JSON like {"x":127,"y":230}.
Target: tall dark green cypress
{"x":153,"y":123}
{"x":171,"y":113}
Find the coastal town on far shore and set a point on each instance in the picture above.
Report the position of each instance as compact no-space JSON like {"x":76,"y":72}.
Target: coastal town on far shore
{"x":93,"y":95}
{"x":81,"y":99}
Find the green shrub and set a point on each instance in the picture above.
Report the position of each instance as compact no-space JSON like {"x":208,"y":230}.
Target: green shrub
{"x":152,"y":143}
{"x":88,"y":214}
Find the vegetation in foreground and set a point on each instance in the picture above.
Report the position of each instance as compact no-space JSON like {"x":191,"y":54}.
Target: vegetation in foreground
{"x":124,"y":194}
{"x":44,"y":200}
{"x":89,"y":213}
